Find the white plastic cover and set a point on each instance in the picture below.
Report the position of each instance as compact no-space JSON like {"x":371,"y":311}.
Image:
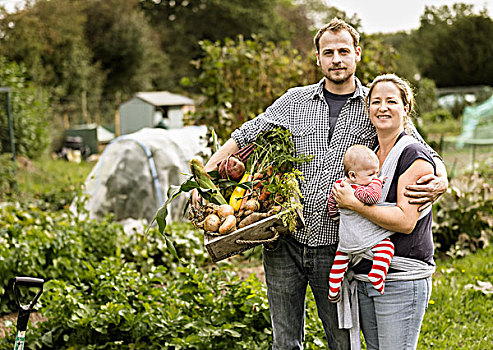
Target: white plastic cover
{"x":122,"y":180}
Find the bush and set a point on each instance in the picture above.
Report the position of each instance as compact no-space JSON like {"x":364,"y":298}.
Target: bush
{"x":48,"y":245}
{"x":240,"y":78}
{"x":110,"y":290}
{"x":29,"y":107}
{"x":8,"y":182}
{"x":116,"y":307}
{"x":440,"y":121}
{"x":464,"y":215}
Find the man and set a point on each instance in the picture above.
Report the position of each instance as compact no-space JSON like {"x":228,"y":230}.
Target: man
{"x":325,"y":119}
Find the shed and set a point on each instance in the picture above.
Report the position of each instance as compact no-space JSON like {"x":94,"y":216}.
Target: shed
{"x":153,"y":109}
{"x":93,"y":136}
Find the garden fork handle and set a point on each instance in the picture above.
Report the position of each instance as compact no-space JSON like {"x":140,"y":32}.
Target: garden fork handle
{"x":25,"y":310}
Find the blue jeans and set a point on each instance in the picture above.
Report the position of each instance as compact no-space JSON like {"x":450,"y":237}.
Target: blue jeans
{"x":289,"y":268}
{"x":392,"y":321}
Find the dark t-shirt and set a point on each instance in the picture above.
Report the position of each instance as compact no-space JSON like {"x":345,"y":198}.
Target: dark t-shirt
{"x":335,"y":102}
{"x":419,"y":243}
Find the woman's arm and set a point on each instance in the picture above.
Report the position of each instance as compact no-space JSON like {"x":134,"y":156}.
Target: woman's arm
{"x":430,"y":187}
{"x":401,"y":218}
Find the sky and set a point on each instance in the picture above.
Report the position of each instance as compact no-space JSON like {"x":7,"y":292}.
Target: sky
{"x":383,"y":16}
{"x":388,"y":16}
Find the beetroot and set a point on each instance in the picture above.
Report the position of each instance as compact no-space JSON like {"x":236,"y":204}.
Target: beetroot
{"x":245,"y":152}
{"x":231,"y":168}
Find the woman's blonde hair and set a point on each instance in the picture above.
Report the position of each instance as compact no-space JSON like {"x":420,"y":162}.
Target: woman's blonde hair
{"x":405,"y":89}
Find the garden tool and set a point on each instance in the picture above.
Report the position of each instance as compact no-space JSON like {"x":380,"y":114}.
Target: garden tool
{"x":25,"y":310}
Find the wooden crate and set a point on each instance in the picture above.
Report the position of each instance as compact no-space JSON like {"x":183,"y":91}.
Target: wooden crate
{"x":225,"y":246}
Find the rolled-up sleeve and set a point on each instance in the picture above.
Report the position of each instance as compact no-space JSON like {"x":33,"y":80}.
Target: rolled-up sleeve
{"x":275,"y":115}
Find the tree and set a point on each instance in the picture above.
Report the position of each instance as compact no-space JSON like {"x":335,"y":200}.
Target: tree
{"x":241,"y":77}
{"x":455,"y":46}
{"x":29,"y":106}
{"x":377,"y":58}
{"x":182,"y":24}
{"x":89,"y":53}
{"x":48,"y":38}
{"x":125,"y":46}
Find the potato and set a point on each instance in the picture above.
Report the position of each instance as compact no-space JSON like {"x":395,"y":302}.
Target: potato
{"x":229,"y":225}
{"x":211,"y":223}
{"x":252,"y":204}
{"x":225,"y":210}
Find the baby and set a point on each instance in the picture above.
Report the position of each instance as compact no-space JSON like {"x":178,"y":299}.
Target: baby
{"x":361,"y":167}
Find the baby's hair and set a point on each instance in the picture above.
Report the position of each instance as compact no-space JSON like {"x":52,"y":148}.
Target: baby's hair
{"x":353,"y":156}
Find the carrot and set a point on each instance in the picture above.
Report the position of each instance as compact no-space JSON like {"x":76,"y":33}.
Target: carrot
{"x":244,"y":200}
{"x":264,"y":195}
{"x":252,"y":218}
{"x":258,"y":176}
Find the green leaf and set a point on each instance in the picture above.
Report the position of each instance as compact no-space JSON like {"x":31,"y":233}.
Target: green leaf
{"x":215,"y":142}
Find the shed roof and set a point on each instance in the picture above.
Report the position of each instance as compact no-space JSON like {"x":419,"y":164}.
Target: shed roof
{"x":164,"y":98}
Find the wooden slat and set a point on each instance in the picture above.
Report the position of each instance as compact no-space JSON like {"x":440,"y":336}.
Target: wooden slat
{"x":222,"y":247}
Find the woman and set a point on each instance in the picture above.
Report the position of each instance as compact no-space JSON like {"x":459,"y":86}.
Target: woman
{"x":393,"y":320}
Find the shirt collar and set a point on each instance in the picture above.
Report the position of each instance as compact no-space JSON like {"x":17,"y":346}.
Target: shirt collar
{"x":319,"y":90}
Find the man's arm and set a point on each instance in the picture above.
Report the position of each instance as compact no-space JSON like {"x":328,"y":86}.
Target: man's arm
{"x":428,"y":188}
{"x":225,"y":150}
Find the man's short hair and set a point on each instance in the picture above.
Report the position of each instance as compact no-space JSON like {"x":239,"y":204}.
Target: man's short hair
{"x":335,"y":26}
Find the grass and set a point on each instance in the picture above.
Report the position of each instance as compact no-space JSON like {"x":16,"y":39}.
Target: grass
{"x":458,"y":316}
{"x":53,"y":181}
{"x":42,"y":175}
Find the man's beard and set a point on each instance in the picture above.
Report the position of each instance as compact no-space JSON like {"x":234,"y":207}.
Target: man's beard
{"x":339,"y":79}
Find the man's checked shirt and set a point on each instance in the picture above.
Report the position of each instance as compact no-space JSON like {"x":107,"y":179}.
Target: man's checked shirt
{"x":305,"y":112}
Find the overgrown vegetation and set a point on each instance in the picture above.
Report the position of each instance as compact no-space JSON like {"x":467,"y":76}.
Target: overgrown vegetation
{"x":111,"y":290}
{"x":51,"y":184}
{"x":29,"y":112}
{"x":116,"y":291}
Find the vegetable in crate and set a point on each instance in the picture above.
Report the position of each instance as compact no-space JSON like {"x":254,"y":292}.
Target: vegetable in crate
{"x":231,"y":168}
{"x":273,"y":164}
{"x":205,"y":183}
{"x":268,"y":184}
